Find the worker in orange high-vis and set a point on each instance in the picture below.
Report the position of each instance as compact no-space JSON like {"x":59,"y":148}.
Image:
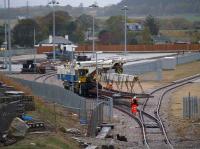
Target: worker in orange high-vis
{"x":109,"y":86}
{"x":134,"y":105}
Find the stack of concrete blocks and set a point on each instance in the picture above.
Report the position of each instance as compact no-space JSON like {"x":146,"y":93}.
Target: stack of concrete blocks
{"x":188,"y":57}
{"x":145,"y":66}
{"x":168,"y":63}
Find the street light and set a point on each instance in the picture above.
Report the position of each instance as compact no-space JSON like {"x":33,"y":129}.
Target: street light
{"x":53,"y":3}
{"x":93,"y":42}
{"x":72,"y":67}
{"x":6,"y":42}
{"x":125,"y":29}
{"x":98,"y":52}
{"x":9,"y":37}
{"x":34,"y":49}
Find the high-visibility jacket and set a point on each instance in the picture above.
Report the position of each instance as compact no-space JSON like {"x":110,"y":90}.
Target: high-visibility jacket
{"x":109,"y":86}
{"x":134,"y":108}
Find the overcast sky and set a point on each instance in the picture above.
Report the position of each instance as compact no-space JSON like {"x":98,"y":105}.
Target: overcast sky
{"x":17,"y":3}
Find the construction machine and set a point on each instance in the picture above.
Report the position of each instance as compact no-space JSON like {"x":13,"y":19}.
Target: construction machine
{"x":30,"y":67}
{"x":80,"y":76}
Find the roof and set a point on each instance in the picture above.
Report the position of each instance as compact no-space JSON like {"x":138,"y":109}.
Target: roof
{"x":160,"y":38}
{"x":57,"y":39}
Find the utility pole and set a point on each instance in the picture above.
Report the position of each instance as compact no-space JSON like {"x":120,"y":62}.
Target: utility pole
{"x":27,"y":9}
{"x":97,"y":82}
{"x":53,"y":3}
{"x":9,"y":37}
{"x":93,"y":41}
{"x":6,"y":37}
{"x":54,"y":33}
{"x":34,"y":50}
{"x":125,"y":29}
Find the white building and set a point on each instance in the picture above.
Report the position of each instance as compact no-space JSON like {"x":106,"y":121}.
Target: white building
{"x":134,"y":27}
{"x":61,"y":43}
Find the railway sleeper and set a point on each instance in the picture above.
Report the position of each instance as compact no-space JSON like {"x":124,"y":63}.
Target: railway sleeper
{"x":151,"y":125}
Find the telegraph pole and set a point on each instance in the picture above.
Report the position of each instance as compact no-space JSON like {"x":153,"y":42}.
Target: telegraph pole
{"x":6,"y":37}
{"x":125,"y":29}
{"x":93,"y":41}
{"x":27,"y":9}
{"x":53,"y":3}
{"x":9,"y":37}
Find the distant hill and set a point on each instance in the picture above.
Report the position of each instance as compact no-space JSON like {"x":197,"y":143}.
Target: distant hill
{"x":155,"y":7}
{"x":136,"y":8}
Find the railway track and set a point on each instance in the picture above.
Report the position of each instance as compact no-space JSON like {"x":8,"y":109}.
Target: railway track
{"x":138,"y":120}
{"x":44,"y":77}
{"x":152,"y":127}
{"x":153,"y":108}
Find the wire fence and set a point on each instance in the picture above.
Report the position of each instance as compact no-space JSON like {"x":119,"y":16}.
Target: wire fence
{"x":187,"y":58}
{"x":101,"y":113}
{"x":88,"y":110}
{"x":191,"y":107}
{"x":16,"y":52}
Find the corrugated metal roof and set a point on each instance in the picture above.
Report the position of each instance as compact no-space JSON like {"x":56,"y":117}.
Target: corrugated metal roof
{"x":57,"y":39}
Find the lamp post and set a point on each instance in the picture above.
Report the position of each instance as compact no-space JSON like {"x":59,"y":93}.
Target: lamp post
{"x":93,"y":42}
{"x":9,"y":38}
{"x":53,"y":3}
{"x":97,"y":86}
{"x":34,"y":50}
{"x":6,"y":42}
{"x":125,"y":29}
{"x":72,"y":67}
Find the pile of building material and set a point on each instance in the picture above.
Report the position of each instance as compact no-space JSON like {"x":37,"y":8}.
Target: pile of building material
{"x":13,"y":105}
{"x":168,"y":63}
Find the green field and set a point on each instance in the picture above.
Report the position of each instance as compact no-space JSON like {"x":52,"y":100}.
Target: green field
{"x":13,"y":22}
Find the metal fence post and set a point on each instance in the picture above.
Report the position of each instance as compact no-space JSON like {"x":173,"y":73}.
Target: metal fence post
{"x":191,"y":107}
{"x":111,"y":109}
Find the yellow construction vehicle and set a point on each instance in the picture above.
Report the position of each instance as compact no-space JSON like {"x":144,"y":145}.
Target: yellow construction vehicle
{"x":83,"y":76}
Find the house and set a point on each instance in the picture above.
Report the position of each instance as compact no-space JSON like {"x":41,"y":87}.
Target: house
{"x":61,"y":43}
{"x":134,"y":27}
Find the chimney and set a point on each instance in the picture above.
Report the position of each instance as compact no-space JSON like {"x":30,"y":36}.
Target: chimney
{"x":66,"y":37}
{"x":50,"y":39}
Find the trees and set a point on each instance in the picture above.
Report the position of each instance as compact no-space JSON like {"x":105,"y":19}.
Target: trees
{"x":152,"y":24}
{"x":65,"y":25}
{"x":115,"y":26}
{"x":195,"y":36}
{"x":23,"y":32}
{"x":104,"y":37}
{"x":196,"y":25}
{"x":85,"y":21}
{"x":1,"y":34}
{"x":62,"y":20}
{"x":146,"y":36}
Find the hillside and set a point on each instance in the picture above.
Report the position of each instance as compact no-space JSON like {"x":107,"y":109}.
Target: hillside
{"x":136,"y":8}
{"x":155,"y":7}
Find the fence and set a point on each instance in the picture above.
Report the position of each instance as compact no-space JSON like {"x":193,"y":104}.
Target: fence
{"x":138,"y":68}
{"x":86,"y":109}
{"x":101,"y":113}
{"x":188,"y":57}
{"x":130,"y":48}
{"x":57,"y":94}
{"x":191,"y":107}
{"x":141,"y":48}
{"x":16,"y":52}
{"x":155,"y":66}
